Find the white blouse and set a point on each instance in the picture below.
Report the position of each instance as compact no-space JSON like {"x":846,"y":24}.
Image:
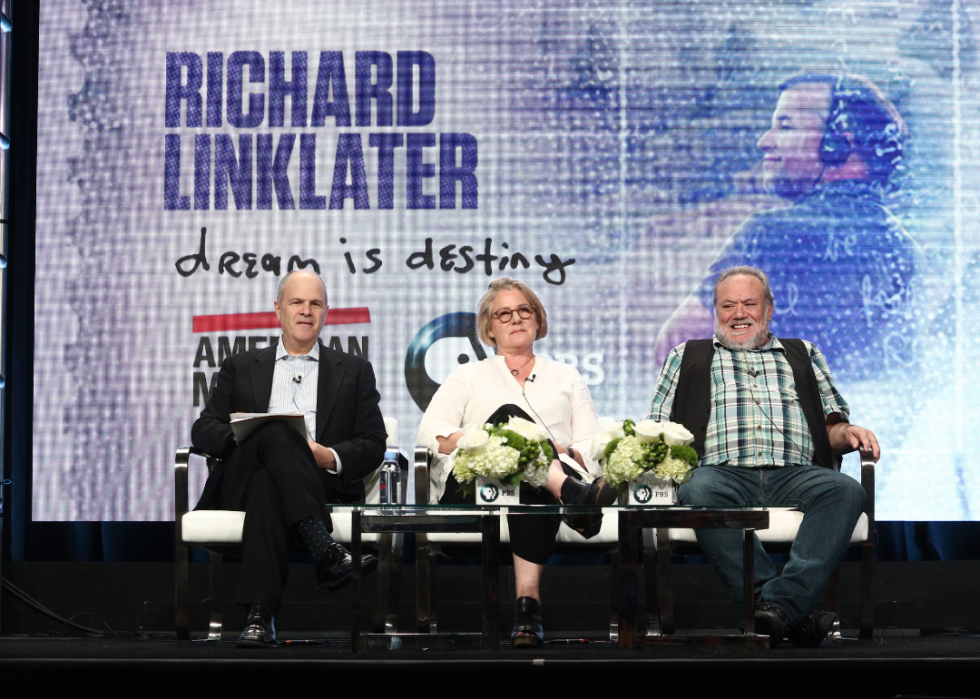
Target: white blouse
{"x":554,"y":396}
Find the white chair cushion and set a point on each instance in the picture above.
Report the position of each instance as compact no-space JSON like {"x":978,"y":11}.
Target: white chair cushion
{"x":212,"y":527}
{"x":784,"y":524}
{"x":225,"y":527}
{"x":609,"y":533}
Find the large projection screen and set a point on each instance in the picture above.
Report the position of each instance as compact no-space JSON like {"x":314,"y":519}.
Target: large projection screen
{"x":606,"y":153}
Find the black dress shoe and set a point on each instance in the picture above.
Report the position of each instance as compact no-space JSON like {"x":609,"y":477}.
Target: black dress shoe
{"x":528,"y":630}
{"x":260,"y":628}
{"x":812,"y":631}
{"x":333,"y":571}
{"x":771,"y":621}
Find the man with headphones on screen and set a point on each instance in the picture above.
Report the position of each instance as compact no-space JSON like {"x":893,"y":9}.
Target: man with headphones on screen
{"x":841,"y":263}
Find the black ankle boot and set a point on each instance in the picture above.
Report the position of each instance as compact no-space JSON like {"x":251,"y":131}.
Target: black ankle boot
{"x":576,"y":492}
{"x":527,"y":623}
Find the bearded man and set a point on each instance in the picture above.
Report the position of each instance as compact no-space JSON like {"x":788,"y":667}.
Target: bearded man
{"x":769,"y":428}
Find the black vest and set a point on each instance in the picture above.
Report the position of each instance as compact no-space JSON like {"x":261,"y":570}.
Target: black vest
{"x":692,"y":397}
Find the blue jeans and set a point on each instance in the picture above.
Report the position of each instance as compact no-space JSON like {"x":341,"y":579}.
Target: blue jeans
{"x":831,"y":503}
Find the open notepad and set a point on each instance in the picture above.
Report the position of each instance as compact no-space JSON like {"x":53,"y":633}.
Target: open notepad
{"x":244,"y":424}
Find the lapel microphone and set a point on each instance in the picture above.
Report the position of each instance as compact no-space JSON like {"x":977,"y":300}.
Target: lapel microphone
{"x":297,"y":379}
{"x":530,"y":378}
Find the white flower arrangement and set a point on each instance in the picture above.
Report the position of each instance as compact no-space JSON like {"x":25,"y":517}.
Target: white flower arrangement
{"x":511,"y":453}
{"x":630,"y":451}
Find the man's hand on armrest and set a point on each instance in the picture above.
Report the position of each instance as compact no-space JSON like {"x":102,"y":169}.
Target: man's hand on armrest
{"x":845,"y":438}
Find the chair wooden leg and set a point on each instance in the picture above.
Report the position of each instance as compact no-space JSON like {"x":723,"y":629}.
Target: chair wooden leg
{"x":380,"y":616}
{"x":628,"y":612}
{"x":650,"y":582}
{"x":833,"y":603}
{"x":748,"y":579}
{"x":867,"y":591}
{"x":214,"y":574}
{"x":181,"y":595}
{"x":490,"y":627}
{"x":423,"y":579}
{"x":433,"y":619}
{"x":614,"y":573}
{"x":665,"y":593}
{"x":394,"y":586}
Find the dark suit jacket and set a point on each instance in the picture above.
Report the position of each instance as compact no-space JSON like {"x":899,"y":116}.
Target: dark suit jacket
{"x":348,"y":419}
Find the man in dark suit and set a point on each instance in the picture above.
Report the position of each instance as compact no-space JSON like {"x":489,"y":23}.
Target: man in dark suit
{"x":279,"y":478}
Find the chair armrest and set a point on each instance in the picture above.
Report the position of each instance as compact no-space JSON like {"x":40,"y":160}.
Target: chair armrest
{"x":868,"y":483}
{"x":181,"y":460}
{"x":423,"y":458}
{"x":403,"y":466}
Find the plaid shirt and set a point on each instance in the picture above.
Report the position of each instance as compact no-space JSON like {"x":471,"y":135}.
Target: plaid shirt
{"x":756,"y":418}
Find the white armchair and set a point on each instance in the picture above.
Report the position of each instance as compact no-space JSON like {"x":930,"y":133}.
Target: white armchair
{"x":220,"y":533}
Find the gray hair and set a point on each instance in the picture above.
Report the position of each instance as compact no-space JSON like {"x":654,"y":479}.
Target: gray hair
{"x":748,"y":271}
{"x":486,"y":304}
{"x":282,"y":283}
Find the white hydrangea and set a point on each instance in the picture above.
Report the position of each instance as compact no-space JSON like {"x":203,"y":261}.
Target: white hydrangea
{"x":493,"y":460}
{"x":489,"y":456}
{"x":673,"y":469}
{"x":624,"y":463}
{"x":536,"y":473}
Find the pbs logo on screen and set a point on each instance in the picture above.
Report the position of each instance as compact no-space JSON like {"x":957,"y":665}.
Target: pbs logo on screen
{"x":451,"y":340}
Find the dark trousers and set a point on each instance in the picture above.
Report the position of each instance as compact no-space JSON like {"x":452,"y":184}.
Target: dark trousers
{"x":274,"y":478}
{"x":532,"y":537}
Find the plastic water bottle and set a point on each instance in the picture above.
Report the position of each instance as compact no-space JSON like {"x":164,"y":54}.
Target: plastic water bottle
{"x":390,"y":475}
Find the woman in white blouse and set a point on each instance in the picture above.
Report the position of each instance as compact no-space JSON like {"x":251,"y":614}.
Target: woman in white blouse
{"x":516,"y":382}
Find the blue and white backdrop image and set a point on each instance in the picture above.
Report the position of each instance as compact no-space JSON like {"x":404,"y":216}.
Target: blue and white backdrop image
{"x":612,"y":155}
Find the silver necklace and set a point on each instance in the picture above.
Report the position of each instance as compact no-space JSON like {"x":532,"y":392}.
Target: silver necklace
{"x":515,"y":372}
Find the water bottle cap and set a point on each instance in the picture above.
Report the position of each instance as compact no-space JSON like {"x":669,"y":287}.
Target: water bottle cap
{"x":391,"y":455}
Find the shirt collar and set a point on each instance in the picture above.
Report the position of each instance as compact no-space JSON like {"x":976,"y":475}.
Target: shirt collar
{"x":772,"y":344}
{"x":313,"y":354}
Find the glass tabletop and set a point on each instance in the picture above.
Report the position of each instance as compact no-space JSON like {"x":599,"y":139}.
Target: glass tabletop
{"x":473,"y":509}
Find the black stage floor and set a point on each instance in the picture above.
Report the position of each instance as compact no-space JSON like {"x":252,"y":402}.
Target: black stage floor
{"x":895,"y":663}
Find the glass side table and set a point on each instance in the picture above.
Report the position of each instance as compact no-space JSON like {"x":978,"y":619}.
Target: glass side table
{"x":485,"y":520}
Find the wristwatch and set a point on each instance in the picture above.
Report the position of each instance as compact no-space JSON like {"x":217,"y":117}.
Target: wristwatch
{"x":571,"y":452}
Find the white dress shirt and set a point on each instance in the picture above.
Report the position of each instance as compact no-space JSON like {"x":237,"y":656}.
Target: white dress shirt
{"x":294,"y":387}
{"x":554,"y":396}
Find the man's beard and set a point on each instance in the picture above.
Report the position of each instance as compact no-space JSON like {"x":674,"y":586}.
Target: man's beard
{"x":757,"y":340}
